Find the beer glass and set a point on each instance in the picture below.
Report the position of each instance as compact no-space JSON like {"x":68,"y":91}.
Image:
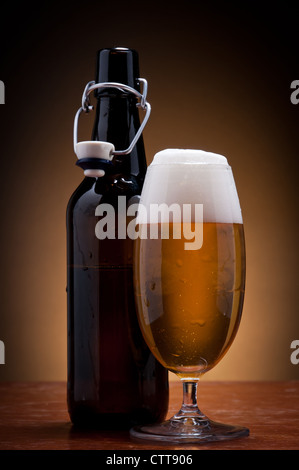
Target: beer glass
{"x":189,"y":277}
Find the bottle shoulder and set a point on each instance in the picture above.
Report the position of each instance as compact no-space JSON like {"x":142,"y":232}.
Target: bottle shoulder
{"x":83,"y":187}
{"x":93,"y":191}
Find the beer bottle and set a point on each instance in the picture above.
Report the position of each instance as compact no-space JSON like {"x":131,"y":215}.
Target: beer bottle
{"x":113,"y":379}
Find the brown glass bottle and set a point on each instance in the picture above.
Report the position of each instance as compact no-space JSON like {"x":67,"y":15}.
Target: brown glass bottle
{"x":113,"y":379}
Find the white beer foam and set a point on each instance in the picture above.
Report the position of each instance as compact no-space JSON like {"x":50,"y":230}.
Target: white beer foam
{"x":185,"y":176}
{"x":188,"y":156}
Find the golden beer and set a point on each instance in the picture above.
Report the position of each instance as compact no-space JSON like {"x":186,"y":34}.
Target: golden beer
{"x":189,"y":279}
{"x":190,"y":301}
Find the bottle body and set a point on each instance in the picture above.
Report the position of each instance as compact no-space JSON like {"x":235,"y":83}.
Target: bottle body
{"x":113,"y":379}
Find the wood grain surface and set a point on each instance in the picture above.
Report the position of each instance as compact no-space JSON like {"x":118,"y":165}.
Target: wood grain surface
{"x":34,"y":416}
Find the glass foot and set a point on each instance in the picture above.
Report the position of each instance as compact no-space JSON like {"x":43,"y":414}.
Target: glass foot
{"x":188,"y":430}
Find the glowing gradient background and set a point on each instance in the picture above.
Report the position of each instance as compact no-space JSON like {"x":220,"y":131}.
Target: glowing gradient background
{"x":219,"y":80}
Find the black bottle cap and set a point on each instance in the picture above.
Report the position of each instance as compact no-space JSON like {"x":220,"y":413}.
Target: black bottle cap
{"x":118,"y":64}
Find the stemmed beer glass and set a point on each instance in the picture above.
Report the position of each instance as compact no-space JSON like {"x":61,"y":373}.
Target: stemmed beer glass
{"x":189,"y":276}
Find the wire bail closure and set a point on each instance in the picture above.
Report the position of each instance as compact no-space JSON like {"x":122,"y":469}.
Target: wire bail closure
{"x":86,"y":107}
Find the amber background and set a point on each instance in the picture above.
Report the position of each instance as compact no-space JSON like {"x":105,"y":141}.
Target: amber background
{"x":219,"y":79}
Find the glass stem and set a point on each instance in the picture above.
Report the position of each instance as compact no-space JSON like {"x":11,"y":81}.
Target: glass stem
{"x":189,"y":408}
{"x":189,"y":396}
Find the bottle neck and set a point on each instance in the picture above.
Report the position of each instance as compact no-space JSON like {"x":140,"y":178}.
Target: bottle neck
{"x":117,"y":121}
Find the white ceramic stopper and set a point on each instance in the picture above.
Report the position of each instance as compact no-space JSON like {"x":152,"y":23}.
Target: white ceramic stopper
{"x":95,"y":149}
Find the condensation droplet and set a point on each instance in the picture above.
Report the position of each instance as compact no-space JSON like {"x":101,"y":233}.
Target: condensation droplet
{"x":179,"y":263}
{"x":199,"y":322}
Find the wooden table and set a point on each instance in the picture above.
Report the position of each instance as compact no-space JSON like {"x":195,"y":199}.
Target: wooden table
{"x":34,"y":416}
